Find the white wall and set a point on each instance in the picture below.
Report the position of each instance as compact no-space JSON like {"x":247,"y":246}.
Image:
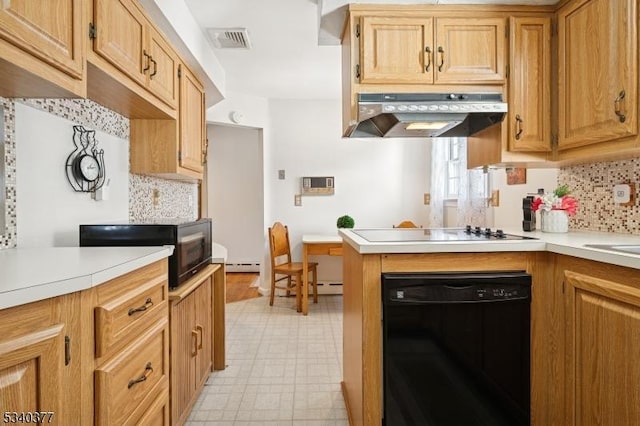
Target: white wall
{"x":48,"y":209}
{"x":253,"y":111}
{"x":378,"y":182}
{"x":509,"y":214}
{"x":236,"y":201}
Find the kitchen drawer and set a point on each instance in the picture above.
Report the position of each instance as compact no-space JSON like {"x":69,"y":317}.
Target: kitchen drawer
{"x":126,"y":314}
{"x":134,"y":375}
{"x":155,"y":414}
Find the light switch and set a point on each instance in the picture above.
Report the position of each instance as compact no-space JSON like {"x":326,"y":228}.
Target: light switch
{"x":281,"y":174}
{"x":427,"y":199}
{"x":297,"y":200}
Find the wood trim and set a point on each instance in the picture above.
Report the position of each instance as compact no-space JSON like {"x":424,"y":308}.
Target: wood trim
{"x":218,"y":306}
{"x":431,"y":10}
{"x":492,"y":261}
{"x":192,"y":283}
{"x":547,"y":342}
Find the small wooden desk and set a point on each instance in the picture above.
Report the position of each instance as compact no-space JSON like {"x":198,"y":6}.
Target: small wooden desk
{"x":329,"y":245}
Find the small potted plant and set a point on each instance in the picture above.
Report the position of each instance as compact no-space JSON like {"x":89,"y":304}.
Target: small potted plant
{"x":345,"y":221}
{"x":555,"y":208}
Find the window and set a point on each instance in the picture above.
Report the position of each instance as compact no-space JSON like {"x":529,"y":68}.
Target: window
{"x":474,"y":180}
{"x":453,"y":168}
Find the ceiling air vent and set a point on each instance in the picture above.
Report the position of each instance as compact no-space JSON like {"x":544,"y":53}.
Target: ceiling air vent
{"x":229,"y":38}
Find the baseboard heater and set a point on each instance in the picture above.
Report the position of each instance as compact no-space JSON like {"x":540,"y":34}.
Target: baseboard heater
{"x":243,"y":267}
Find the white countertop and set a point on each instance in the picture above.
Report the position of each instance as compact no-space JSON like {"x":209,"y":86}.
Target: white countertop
{"x":569,"y":243}
{"x":31,"y":274}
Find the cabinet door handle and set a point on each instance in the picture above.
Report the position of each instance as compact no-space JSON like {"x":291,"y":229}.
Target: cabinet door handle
{"x":147,"y":371}
{"x":427,"y":50}
{"x":519,"y":128}
{"x":155,"y":67}
{"x":147,"y":66}
{"x":194,"y":339}
{"x":201,"y":331}
{"x":441,"y":52}
{"x":616,"y":104}
{"x":147,"y":304}
{"x":67,"y":350}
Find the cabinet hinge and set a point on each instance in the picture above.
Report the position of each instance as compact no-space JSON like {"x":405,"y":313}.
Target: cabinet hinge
{"x":179,"y":71}
{"x":92,"y":31}
{"x":358,"y":71}
{"x":507,"y":71}
{"x":357,"y":30}
{"x":67,"y":350}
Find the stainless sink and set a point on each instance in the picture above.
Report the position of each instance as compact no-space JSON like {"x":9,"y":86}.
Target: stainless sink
{"x":621,"y":248}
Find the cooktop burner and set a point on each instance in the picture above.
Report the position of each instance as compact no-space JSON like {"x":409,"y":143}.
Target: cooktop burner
{"x":436,"y":234}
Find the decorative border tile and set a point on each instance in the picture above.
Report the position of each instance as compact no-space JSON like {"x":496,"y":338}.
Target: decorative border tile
{"x":8,"y":236}
{"x":84,"y":112}
{"x":592,"y":185}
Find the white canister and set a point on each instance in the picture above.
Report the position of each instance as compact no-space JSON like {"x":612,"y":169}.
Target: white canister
{"x":554,"y":221}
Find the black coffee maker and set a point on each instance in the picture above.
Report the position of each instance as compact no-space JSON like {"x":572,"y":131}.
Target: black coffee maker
{"x":529,"y":221}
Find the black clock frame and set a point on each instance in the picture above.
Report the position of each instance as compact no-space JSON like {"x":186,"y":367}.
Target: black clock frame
{"x":86,"y":144}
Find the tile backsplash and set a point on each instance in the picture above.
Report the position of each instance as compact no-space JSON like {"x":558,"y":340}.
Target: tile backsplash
{"x":8,"y":235}
{"x":174,"y":199}
{"x":592,"y":185}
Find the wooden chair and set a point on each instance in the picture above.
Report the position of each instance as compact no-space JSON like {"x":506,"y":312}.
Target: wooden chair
{"x":406,"y":224}
{"x":281,"y":264}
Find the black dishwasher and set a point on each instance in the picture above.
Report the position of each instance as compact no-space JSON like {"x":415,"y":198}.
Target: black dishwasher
{"x":456,"y":348}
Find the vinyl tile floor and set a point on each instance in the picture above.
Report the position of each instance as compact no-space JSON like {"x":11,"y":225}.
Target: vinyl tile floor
{"x":283,"y":368}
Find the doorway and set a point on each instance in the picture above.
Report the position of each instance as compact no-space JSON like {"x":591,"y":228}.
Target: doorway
{"x":236,"y":194}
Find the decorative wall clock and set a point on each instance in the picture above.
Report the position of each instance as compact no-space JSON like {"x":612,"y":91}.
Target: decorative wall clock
{"x":85,"y":165}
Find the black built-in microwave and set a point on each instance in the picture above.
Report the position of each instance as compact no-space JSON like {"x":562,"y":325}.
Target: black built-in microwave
{"x":191,"y":239}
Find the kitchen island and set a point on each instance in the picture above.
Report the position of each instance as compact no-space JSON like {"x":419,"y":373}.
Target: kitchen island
{"x":574,"y":288}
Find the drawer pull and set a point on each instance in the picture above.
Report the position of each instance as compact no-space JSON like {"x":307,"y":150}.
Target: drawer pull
{"x":147,"y":371}
{"x":147,"y":304}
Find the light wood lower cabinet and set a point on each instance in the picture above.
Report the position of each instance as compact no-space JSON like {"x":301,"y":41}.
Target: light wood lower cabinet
{"x":131,"y":329}
{"x":40,"y":362}
{"x":191,"y":344}
{"x":602,"y":347}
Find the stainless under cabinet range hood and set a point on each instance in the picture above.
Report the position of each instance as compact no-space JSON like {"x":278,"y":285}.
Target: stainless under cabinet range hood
{"x":401,"y":115}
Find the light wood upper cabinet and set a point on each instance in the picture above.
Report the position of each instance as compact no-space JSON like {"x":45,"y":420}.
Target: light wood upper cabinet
{"x":173,"y":149}
{"x":192,"y":122}
{"x":126,"y":39}
{"x":598,"y":71}
{"x":530,"y":84}
{"x":602,"y":347}
{"x":120,"y":36}
{"x":396,"y":50}
{"x":53,"y":37}
{"x":470,"y":51}
{"x":432,"y":50}
{"x":163,"y":69}
{"x":42,"y":49}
